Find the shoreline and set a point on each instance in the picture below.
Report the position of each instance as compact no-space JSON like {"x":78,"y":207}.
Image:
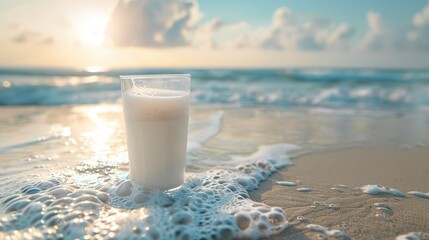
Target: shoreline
{"x":87,"y":141}
{"x":334,"y":199}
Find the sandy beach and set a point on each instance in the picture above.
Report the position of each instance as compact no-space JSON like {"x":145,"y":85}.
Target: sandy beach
{"x":82,"y":149}
{"x":336,"y":200}
{"x":214,"y":120}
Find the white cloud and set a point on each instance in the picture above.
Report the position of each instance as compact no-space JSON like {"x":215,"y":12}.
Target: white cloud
{"x":340,"y":37}
{"x":218,"y":34}
{"x":211,"y":26}
{"x":378,"y":37}
{"x":153,"y":23}
{"x":203,"y":35}
{"x":243,"y":41}
{"x":422,"y":18}
{"x":172,"y":23}
{"x":418,"y":36}
{"x":381,"y":37}
{"x":287,"y":33}
{"x":283,"y":18}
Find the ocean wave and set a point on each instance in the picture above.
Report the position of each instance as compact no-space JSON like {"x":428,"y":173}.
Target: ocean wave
{"x":359,"y":75}
{"x":279,"y":88}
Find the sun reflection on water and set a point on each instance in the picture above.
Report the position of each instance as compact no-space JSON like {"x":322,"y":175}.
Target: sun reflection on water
{"x":105,"y":148}
{"x":101,"y":133}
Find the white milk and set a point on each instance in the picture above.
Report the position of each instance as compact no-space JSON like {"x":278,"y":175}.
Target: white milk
{"x":157,"y":130}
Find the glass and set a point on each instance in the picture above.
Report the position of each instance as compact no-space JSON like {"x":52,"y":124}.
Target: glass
{"x":156,"y":113}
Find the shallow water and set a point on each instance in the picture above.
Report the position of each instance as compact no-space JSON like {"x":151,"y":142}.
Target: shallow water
{"x":64,"y":169}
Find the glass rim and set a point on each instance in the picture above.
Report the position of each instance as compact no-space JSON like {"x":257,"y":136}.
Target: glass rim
{"x":155,"y":76}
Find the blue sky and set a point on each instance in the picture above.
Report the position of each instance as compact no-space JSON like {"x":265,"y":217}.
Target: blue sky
{"x":257,"y":12}
{"x":222,"y":33}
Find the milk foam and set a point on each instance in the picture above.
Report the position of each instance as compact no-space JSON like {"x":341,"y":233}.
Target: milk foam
{"x":147,"y":104}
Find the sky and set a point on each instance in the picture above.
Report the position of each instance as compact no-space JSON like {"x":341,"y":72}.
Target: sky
{"x":97,"y":34}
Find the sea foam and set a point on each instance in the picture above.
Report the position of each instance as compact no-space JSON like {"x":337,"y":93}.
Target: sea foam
{"x":277,"y":151}
{"x":210,"y":205}
{"x":379,"y":189}
{"x":286,"y":183}
{"x":199,"y":137}
{"x":413,"y":236}
{"x":329,"y":233}
{"x":419,"y":194}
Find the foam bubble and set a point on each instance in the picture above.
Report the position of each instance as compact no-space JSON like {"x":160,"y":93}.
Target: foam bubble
{"x":383,"y":210}
{"x":333,"y":206}
{"x":274,"y":151}
{"x":379,"y":189}
{"x":304,"y":189}
{"x":212,"y":205}
{"x":286,"y":183}
{"x":413,"y":236}
{"x":419,"y":194}
{"x":302,"y":219}
{"x":329,"y":233}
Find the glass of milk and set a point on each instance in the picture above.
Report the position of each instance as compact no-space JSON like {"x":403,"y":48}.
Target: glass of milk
{"x":156,"y":111}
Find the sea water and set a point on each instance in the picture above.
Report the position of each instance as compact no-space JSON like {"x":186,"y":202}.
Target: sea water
{"x":65,"y":168}
{"x":332,"y":88}
{"x":156,"y":124}
{"x":51,"y":198}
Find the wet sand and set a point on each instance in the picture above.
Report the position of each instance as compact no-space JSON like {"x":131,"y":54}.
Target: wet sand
{"x":336,"y":202}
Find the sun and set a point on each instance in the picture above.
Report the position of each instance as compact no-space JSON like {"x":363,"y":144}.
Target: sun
{"x":90,"y":30}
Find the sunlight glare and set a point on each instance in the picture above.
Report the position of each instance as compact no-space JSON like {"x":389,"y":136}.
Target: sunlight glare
{"x":90,"y":30}
{"x":95,"y":69}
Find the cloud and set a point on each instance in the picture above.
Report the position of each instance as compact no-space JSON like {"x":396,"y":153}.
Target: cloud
{"x":321,"y":21}
{"x":211,"y":26}
{"x":174,"y":23}
{"x":422,"y":18}
{"x":381,"y":37}
{"x":204,"y":34}
{"x":418,"y":36}
{"x":287,"y":33}
{"x":153,"y":23}
{"x":283,"y":18}
{"x":222,"y":35}
{"x":340,"y":37}
{"x":30,"y":36}
{"x":243,"y":41}
{"x":26,"y":36}
{"x":378,"y":37}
